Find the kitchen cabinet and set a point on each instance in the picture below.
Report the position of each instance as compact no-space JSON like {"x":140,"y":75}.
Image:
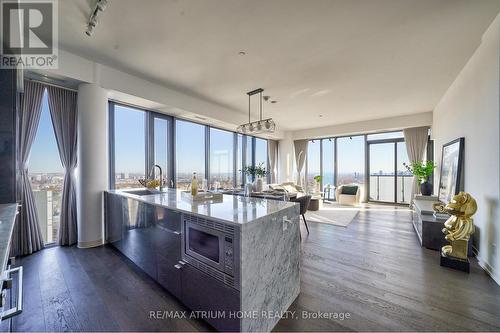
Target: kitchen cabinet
{"x":113,"y":214}
{"x":201,"y":292}
{"x":167,"y":243}
{"x":152,"y":236}
{"x":147,"y":235}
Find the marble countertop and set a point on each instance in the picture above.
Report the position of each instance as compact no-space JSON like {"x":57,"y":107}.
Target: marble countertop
{"x":7,"y":219}
{"x":232,"y":208}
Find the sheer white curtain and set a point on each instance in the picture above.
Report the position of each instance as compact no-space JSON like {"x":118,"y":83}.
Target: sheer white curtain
{"x":300,"y":158}
{"x":416,"y":140}
{"x":272,"y":151}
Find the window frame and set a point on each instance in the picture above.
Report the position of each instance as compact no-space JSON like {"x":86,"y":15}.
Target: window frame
{"x":429,"y":155}
{"x":170,"y":176}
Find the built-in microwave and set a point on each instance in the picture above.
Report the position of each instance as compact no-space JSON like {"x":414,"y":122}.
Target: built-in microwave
{"x":211,"y":246}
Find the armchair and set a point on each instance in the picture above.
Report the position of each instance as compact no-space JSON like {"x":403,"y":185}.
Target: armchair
{"x":348,"y":194}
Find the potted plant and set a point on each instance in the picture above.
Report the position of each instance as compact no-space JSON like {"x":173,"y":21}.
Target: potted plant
{"x":317,"y":183}
{"x":422,"y":170}
{"x":257,"y":172}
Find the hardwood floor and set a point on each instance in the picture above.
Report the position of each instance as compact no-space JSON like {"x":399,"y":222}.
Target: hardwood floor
{"x":374,"y":270}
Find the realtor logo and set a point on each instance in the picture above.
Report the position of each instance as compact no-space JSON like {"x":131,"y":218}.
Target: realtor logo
{"x":29,"y":34}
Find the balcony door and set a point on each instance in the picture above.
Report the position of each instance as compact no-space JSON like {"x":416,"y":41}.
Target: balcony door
{"x":382,"y":172}
{"x":389,"y":181}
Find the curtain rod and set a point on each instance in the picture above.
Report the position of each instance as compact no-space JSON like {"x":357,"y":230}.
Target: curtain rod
{"x":50,"y":84}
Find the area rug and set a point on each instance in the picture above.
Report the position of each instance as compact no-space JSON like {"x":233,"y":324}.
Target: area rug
{"x":332,"y":213}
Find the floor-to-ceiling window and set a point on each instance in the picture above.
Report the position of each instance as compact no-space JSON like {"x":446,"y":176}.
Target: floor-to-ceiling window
{"x":328,"y":162}
{"x":239,"y":160}
{"x":189,"y":152}
{"x":342,"y":160}
{"x":261,"y":156}
{"x":160,"y":147}
{"x":382,"y":177}
{"x":221,"y":158}
{"x":389,"y":180}
{"x":351,"y":160}
{"x":313,"y":162}
{"x":129,"y":146}
{"x":404,"y":177}
{"x":249,"y":155}
{"x":46,"y":174}
{"x":139,"y":139}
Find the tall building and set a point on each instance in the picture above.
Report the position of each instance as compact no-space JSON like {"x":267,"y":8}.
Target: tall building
{"x":43,"y":200}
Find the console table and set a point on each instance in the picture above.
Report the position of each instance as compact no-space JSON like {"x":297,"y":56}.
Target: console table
{"x":428,"y":228}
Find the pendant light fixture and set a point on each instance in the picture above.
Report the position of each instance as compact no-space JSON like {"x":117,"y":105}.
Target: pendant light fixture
{"x":258,"y":126}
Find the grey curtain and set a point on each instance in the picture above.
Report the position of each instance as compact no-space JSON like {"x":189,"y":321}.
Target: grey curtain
{"x":416,"y":140}
{"x":272,"y":151}
{"x":63,"y":111}
{"x":27,"y":230}
{"x":300,"y":158}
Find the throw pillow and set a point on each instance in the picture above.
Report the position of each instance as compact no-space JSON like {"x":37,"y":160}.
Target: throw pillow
{"x":349,"y":190}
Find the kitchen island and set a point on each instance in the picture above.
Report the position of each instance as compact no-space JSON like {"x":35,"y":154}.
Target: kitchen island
{"x":235,"y":261}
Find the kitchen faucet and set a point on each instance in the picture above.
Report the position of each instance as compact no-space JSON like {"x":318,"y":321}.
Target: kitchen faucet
{"x":161,"y":175}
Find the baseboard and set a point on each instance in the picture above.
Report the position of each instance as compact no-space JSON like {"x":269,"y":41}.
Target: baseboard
{"x":486,"y":266}
{"x":85,"y":245}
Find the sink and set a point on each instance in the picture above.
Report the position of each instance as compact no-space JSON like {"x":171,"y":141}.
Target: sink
{"x":142,"y":192}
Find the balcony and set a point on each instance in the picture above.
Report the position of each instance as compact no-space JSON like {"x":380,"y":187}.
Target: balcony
{"x":382,"y":187}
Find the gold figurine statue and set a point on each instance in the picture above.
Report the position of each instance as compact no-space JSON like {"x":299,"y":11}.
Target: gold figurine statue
{"x":459,"y":226}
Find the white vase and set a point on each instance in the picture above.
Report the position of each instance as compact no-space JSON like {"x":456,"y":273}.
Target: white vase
{"x":258,"y":185}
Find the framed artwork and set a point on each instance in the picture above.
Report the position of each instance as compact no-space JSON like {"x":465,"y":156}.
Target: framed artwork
{"x":451,"y":169}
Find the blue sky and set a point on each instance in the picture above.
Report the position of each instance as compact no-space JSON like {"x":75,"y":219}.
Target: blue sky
{"x":130,"y":145}
{"x":44,"y":156}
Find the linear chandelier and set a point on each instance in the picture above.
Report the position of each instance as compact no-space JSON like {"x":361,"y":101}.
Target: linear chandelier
{"x":258,"y":126}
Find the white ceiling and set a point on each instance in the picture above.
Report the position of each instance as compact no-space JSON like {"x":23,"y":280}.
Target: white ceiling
{"x":326,"y":62}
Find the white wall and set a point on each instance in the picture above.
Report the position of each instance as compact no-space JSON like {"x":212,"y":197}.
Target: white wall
{"x":92,"y":170}
{"x":375,"y":125}
{"x":470,"y":108}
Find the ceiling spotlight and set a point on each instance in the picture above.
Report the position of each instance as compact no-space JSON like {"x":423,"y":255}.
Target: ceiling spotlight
{"x":99,"y":7}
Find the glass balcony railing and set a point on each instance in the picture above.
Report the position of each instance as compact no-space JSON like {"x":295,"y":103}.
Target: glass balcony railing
{"x":385,"y":187}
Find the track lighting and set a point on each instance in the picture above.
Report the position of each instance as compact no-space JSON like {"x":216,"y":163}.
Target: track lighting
{"x":99,"y":7}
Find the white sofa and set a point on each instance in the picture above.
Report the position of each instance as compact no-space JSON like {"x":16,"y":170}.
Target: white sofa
{"x":348,"y":199}
{"x":290,"y":187}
